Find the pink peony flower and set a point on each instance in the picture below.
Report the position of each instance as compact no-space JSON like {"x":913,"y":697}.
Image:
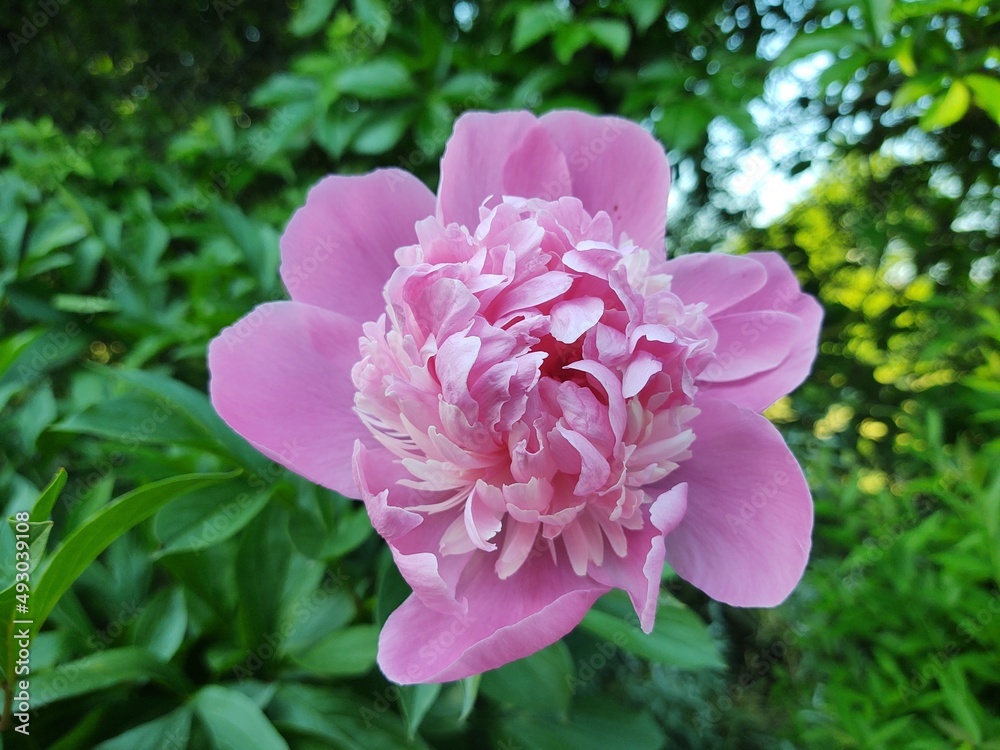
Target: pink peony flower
{"x":534,"y":404}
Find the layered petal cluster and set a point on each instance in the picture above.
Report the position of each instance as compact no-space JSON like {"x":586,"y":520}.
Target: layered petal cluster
{"x":533,"y":403}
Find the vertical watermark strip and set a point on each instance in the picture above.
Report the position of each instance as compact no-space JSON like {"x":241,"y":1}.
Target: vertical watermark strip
{"x":17,"y":705}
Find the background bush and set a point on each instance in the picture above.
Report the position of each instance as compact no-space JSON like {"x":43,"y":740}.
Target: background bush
{"x":150,"y":155}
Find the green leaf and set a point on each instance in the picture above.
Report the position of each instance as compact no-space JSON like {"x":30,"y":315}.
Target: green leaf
{"x":93,"y":536}
{"x":132,"y":419}
{"x":342,"y":720}
{"x":234,"y":722}
{"x":162,"y":623}
{"x":645,"y":12}
{"x":541,"y":682}
{"x":596,"y":723}
{"x":42,"y":508}
{"x":82,"y":304}
{"x":54,"y":231}
{"x":169,"y":732}
{"x":384,"y":132}
{"x":195,"y":407}
{"x":612,"y":34}
{"x":986,"y":93}
{"x":535,"y":22}
{"x":568,"y":40}
{"x":947,"y":109}
{"x":911,"y":91}
{"x":679,"y":638}
{"x":416,"y":701}
{"x":285,"y":88}
{"x":310,"y":16}
{"x":207,"y":517}
{"x":103,"y":670}
{"x":379,"y":79}
{"x":343,"y":653}
{"x":261,"y":570}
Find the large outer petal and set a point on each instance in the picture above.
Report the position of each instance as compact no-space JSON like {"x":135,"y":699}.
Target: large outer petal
{"x":766,"y":315}
{"x":281,"y":378}
{"x":496,"y":154}
{"x":716,"y":279}
{"x":338,"y":250}
{"x":506,"y":620}
{"x":617,"y":167}
{"x":745,"y":537}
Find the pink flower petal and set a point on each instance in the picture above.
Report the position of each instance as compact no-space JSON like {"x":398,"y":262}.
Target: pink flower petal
{"x":474,"y":165}
{"x":717,"y":279}
{"x":745,"y":537}
{"x":617,"y":167}
{"x":506,"y":620}
{"x":640,"y":571}
{"x":781,"y":293}
{"x":750,"y":343}
{"x":571,"y":318}
{"x":281,"y":378}
{"x":338,"y":250}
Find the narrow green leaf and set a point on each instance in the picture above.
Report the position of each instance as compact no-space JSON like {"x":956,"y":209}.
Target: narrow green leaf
{"x":416,"y":701}
{"x":42,"y":508}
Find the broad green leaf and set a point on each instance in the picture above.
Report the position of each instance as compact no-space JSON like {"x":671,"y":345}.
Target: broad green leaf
{"x":645,"y":12}
{"x":383,"y":132}
{"x":679,"y":637}
{"x":169,"y":732}
{"x":310,"y":16}
{"x":93,"y":536}
{"x":379,"y":79}
{"x":162,"y":623}
{"x":612,"y":34}
{"x":284,"y":88}
{"x":234,"y":722}
{"x":911,"y":91}
{"x":596,"y":723}
{"x":534,"y":22}
{"x":568,"y":40}
{"x":195,"y":406}
{"x":54,"y":231}
{"x":947,"y":109}
{"x":102,"y":670}
{"x":343,"y":720}
{"x":542,"y":682}
{"x":343,"y":653}
{"x":262,"y":562}
{"x":132,"y":419}
{"x":985,"y":93}
{"x":207,"y":517}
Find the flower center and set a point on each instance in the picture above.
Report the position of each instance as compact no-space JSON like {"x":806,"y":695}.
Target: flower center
{"x":557,"y":356}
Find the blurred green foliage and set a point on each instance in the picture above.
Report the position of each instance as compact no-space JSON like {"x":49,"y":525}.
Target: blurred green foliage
{"x":150,"y":156}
